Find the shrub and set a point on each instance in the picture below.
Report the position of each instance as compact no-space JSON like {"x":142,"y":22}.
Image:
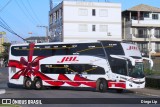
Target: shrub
{"x":148,"y":72}
{"x":153,"y":82}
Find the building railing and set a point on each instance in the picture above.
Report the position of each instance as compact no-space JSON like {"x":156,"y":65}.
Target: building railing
{"x":157,"y":36}
{"x":136,"y":18}
{"x":141,"y":36}
{"x":157,"y":50}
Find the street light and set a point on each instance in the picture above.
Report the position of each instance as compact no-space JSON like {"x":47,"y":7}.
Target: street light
{"x":47,"y":36}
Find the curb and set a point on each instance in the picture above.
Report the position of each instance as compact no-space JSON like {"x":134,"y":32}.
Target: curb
{"x":2,"y":91}
{"x":148,"y":94}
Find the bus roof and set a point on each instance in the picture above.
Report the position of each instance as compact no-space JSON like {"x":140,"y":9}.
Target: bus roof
{"x":74,"y":42}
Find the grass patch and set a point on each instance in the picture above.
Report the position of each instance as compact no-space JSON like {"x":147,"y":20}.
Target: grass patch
{"x":9,"y":105}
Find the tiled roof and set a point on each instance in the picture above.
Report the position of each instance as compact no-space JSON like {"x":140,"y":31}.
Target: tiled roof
{"x":143,"y":7}
{"x":36,"y":38}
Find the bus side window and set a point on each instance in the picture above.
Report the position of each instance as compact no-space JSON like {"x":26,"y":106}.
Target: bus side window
{"x":119,"y":66}
{"x":76,"y":69}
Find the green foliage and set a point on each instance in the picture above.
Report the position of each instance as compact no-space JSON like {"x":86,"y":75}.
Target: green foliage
{"x":5,"y":54}
{"x":148,"y":72}
{"x":8,"y":105}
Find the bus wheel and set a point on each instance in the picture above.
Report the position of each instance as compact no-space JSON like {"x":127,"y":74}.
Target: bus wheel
{"x":28,"y":83}
{"x":38,"y":84}
{"x":119,"y":90}
{"x":102,"y":85}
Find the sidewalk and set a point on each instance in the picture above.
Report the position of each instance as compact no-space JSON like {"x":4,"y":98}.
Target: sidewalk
{"x":2,"y":91}
{"x":147,"y":91}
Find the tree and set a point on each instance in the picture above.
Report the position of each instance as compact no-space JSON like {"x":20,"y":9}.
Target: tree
{"x":5,"y":54}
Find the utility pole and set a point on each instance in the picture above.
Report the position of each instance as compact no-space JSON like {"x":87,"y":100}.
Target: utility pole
{"x":149,"y":53}
{"x":47,"y":36}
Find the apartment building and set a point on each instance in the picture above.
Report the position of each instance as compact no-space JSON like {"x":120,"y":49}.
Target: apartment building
{"x":82,"y":20}
{"x":2,"y":40}
{"x":141,"y":24}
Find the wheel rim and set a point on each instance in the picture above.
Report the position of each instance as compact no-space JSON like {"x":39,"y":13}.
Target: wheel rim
{"x":38,"y":84}
{"x":101,"y":86}
{"x":28,"y":83}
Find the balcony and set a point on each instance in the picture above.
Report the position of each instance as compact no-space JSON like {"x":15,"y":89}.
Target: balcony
{"x":157,"y":50}
{"x":137,"y":37}
{"x":140,"y":36}
{"x":144,"y":23}
{"x":157,"y":36}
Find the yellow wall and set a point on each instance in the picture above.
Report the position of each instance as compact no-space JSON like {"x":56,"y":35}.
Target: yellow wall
{"x":2,"y":41}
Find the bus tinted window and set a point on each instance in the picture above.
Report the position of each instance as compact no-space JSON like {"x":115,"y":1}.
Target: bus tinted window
{"x":19,"y":50}
{"x":71,"y":69}
{"x":113,"y":48}
{"x":94,"y":49}
{"x":118,"y":66}
{"x":52,"y":69}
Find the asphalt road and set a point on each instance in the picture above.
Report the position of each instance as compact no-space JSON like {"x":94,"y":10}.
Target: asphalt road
{"x":67,"y":93}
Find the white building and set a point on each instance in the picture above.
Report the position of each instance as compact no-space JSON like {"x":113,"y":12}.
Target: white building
{"x":81,"y":20}
{"x":141,"y":24}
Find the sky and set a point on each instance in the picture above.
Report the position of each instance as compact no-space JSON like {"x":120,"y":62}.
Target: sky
{"x":23,"y":16}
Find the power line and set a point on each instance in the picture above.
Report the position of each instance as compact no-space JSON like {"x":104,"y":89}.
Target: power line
{"x":2,"y":2}
{"x":33,"y":11}
{"x":27,"y":10}
{"x":5,"y":5}
{"x":5,"y":26}
{"x":24,"y":12}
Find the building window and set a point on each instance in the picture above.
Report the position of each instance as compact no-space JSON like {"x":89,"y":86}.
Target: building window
{"x":93,"y":27}
{"x":103,"y":28}
{"x":93,"y":12}
{"x":103,"y":13}
{"x":83,"y":12}
{"x":54,"y":17}
{"x":142,"y":33}
{"x":146,"y":15}
{"x":157,"y":32}
{"x":157,"y":47}
{"x":155,"y":16}
{"x":83,"y":28}
{"x":60,"y":13}
{"x":51,"y":19}
{"x":143,"y":47}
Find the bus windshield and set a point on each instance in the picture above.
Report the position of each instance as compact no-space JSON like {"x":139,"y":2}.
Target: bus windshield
{"x":136,"y":71}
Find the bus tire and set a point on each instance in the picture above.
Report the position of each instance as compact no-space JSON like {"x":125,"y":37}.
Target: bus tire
{"x":102,"y":85}
{"x":27,"y":83}
{"x":119,"y":90}
{"x":38,"y":84}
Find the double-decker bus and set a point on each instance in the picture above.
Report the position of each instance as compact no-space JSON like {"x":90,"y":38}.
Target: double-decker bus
{"x":101,"y":64}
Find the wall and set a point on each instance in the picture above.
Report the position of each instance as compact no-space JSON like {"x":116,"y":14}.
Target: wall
{"x":73,"y":19}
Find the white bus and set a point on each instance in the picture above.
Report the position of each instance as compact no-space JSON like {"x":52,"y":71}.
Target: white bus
{"x":102,"y":65}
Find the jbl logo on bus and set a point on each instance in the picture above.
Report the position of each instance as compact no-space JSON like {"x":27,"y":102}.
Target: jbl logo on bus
{"x":68,"y":59}
{"x":132,"y":48}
